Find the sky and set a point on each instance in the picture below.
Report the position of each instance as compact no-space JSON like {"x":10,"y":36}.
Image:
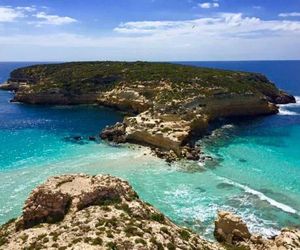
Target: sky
{"x":153,"y":30}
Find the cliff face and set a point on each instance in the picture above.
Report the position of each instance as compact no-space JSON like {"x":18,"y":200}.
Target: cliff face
{"x":172,"y":103}
{"x":99,"y":212}
{"x":104,"y":212}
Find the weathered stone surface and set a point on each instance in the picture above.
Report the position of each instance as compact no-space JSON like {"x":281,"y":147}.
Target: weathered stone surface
{"x":230,"y":228}
{"x":105,"y":213}
{"x":171,"y":105}
{"x":114,"y":133}
{"x":284,"y":98}
{"x":44,"y":205}
{"x":232,"y":231}
{"x":288,"y":239}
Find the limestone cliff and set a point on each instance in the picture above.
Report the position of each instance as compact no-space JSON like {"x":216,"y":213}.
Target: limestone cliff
{"x":234,"y":234}
{"x":170,"y":104}
{"x":104,"y":212}
{"x":98,"y":212}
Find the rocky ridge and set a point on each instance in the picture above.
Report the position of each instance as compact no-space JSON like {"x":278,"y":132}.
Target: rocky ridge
{"x":93,"y":212}
{"x":169,"y":104}
{"x":104,"y":212}
{"x":233,"y":232}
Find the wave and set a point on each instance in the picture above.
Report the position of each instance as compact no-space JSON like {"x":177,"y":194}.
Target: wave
{"x":284,"y":111}
{"x":260,"y":195}
{"x":283,"y":107}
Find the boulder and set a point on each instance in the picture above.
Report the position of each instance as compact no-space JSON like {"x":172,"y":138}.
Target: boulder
{"x":50,"y":202}
{"x":104,"y":213}
{"x":230,"y":228}
{"x":288,"y":239}
{"x":44,"y":205}
{"x":284,"y":98}
{"x":114,"y":133}
{"x":231,"y":231}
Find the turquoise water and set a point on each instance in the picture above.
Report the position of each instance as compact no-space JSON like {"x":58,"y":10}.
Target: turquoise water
{"x":255,"y":173}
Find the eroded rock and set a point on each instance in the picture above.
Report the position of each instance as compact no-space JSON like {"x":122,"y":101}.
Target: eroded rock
{"x":230,"y":228}
{"x":114,"y":133}
{"x":233,"y":232}
{"x":104,"y":213}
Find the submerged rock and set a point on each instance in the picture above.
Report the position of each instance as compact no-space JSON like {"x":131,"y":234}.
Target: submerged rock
{"x":92,"y":138}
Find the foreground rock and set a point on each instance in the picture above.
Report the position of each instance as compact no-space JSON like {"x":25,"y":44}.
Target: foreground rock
{"x":232,"y":231}
{"x":170,"y":104}
{"x":99,"y":212}
{"x":104,"y":212}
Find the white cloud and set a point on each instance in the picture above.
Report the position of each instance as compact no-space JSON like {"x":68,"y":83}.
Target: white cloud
{"x":27,"y":8}
{"x":53,"y":19}
{"x":208,"y":5}
{"x":222,"y":25}
{"x":225,"y":36}
{"x":31,"y":15}
{"x":9,"y":14}
{"x":290,"y":14}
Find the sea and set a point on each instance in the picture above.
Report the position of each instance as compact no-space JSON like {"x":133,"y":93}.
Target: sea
{"x":255,"y":171}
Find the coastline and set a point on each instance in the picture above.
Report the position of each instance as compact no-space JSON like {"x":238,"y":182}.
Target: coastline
{"x":169,"y":113}
{"x":89,"y":212}
{"x":185,"y":170}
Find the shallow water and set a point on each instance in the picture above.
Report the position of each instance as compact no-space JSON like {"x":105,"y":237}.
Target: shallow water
{"x":255,"y":172}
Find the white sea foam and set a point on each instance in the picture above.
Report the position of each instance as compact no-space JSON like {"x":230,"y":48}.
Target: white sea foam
{"x":283,"y":108}
{"x":228,"y":126}
{"x":284,"y":111}
{"x":261,"y":196}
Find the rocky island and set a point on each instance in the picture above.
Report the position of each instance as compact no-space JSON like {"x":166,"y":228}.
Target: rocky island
{"x":104,"y":212}
{"x":168,"y":105}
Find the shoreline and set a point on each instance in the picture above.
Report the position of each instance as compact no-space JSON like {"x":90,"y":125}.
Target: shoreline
{"x":103,"y":196}
{"x":172,"y":104}
{"x":149,"y":153}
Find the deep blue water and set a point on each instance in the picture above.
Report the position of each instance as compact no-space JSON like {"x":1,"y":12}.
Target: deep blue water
{"x":256,"y":171}
{"x":283,"y":73}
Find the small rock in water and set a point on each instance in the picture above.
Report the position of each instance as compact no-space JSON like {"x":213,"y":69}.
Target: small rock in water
{"x":74,"y":139}
{"x":92,"y":138}
{"x":224,"y":185}
{"x":77,"y":137}
{"x":202,"y":190}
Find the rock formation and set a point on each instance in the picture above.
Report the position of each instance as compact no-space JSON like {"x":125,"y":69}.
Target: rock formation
{"x":170,"y":104}
{"x":93,"y":212}
{"x":233,"y":232}
{"x":104,"y":212}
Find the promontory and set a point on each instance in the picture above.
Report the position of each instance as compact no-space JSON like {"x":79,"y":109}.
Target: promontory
{"x":104,"y":212}
{"x":168,"y":104}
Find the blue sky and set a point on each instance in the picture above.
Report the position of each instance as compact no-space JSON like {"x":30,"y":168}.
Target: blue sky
{"x":160,"y":30}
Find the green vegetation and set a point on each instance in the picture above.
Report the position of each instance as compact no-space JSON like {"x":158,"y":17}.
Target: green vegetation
{"x":157,"y":217}
{"x":140,"y":241}
{"x":185,"y":235}
{"x":90,"y":77}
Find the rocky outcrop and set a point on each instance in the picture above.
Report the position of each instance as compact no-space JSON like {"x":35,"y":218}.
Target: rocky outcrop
{"x":9,"y":86}
{"x":284,"y":98}
{"x":230,"y":228}
{"x":233,"y":232}
{"x":170,"y":104}
{"x":115,"y":133}
{"x":104,"y":212}
{"x":54,"y":98}
{"x":94,"y":212}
